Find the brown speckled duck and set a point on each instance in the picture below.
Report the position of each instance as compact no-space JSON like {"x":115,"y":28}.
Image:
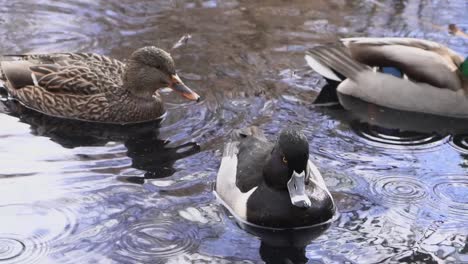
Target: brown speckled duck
{"x":92,"y":87}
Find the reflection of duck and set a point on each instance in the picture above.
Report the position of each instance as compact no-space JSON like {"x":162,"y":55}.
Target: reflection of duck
{"x":272,"y":186}
{"x":403,"y":120}
{"x":92,"y":87}
{"x":413,"y":75}
{"x":147,"y":152}
{"x":152,"y":155}
{"x":282,"y":255}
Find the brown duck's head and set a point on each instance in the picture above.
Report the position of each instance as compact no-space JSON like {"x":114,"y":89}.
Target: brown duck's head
{"x":151,"y":68}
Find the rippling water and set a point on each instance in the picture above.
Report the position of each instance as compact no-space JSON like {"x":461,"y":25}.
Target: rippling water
{"x":71,"y":193}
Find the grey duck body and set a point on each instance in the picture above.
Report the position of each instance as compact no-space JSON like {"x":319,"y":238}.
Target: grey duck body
{"x":435,"y":78}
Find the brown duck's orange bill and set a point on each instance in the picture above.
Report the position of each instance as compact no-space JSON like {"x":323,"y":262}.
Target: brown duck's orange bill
{"x":178,"y":86}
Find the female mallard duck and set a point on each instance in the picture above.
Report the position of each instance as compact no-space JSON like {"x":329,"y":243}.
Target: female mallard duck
{"x":272,"y":185}
{"x":400,"y":73}
{"x":92,"y":87}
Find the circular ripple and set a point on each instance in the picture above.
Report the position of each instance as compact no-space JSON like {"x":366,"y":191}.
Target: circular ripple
{"x":399,"y":190}
{"x":394,"y":138}
{"x":151,"y":240}
{"x":448,"y":195}
{"x":29,"y":232}
{"x":51,"y":222}
{"x":460,"y":142}
{"x":10,"y":248}
{"x":14,"y":249}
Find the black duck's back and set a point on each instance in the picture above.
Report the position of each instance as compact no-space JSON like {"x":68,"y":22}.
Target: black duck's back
{"x":254,"y":150}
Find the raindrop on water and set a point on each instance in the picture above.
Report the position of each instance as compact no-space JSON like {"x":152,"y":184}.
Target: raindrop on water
{"x":394,"y":138}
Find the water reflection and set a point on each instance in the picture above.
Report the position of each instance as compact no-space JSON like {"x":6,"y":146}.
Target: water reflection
{"x":148,"y":242}
{"x":402,"y":130}
{"x":147,"y":151}
{"x":448,"y":194}
{"x":403,"y":120}
{"x":153,"y":156}
{"x":285,"y":245}
{"x":394,"y":137}
{"x":281,"y":255}
{"x":246,"y":59}
{"x":460,"y":142}
{"x":24,"y":242}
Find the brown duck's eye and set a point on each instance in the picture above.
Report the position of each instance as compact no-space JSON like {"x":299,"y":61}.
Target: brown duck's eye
{"x":285,"y":161}
{"x":158,"y":67}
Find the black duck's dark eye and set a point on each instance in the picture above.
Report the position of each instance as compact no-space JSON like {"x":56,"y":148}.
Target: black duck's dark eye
{"x":158,"y":67}
{"x":285,"y":161}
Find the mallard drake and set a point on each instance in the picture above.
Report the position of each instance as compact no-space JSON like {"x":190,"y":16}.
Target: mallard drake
{"x":92,"y":87}
{"x":400,"y":73}
{"x":272,"y":185}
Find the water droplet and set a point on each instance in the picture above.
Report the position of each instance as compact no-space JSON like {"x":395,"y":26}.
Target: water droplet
{"x":399,"y":190}
{"x":29,"y":232}
{"x":147,"y":241}
{"x":448,"y":195}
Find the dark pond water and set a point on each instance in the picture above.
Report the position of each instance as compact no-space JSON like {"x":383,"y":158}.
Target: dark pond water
{"x":73,"y":193}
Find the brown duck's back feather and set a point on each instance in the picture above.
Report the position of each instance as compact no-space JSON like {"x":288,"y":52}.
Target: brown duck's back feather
{"x":63,"y":72}
{"x":83,"y":86}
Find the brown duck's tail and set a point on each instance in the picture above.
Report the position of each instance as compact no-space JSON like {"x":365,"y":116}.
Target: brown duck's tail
{"x":21,"y":73}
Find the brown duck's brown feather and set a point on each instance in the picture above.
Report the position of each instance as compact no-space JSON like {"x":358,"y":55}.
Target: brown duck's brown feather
{"x":57,"y":104}
{"x":73,"y":80}
{"x":96,"y":107}
{"x":82,"y":86}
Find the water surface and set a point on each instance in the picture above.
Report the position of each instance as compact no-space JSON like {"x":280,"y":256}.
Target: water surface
{"x":71,"y":193}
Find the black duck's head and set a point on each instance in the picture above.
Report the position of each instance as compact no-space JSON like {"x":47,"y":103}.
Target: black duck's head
{"x":288,"y":166}
{"x":151,"y":68}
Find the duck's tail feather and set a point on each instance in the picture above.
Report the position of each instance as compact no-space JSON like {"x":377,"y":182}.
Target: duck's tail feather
{"x":328,"y":60}
{"x":321,"y":68}
{"x":335,"y":64}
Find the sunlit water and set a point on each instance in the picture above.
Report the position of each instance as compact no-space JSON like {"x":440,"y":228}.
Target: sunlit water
{"x":71,"y":193}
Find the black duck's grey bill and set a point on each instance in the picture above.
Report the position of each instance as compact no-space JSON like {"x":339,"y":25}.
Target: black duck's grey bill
{"x":297,"y":193}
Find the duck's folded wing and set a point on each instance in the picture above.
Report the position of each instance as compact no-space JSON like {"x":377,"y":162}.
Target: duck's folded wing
{"x":427,"y":45}
{"x":243,"y":159}
{"x":54,"y":78}
{"x":226,"y":189}
{"x":254,"y":149}
{"x":71,"y":91}
{"x":411,"y":42}
{"x":327,"y":60}
{"x":76,"y":73}
{"x":421,"y":60}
